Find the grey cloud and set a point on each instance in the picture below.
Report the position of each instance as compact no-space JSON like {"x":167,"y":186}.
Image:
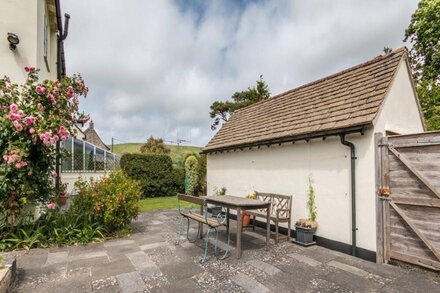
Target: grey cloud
{"x":154,"y":67}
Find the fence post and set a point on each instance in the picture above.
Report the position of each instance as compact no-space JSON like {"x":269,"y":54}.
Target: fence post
{"x":72,"y":153}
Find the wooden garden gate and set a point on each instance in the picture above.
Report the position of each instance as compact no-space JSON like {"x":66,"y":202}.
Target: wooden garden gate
{"x":408,"y":198}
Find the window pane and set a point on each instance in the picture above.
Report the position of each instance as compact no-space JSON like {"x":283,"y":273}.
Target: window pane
{"x":100,"y":159}
{"x":78,"y":164}
{"x":110,"y":160}
{"x":66,"y":165}
{"x":89,"y":157}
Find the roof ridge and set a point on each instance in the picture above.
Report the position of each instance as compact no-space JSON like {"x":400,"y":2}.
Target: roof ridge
{"x":366,"y":63}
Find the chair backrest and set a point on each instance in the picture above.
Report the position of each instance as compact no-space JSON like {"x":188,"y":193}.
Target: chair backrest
{"x":191,"y":199}
{"x":278,"y":201}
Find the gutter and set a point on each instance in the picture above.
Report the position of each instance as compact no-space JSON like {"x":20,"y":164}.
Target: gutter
{"x":61,"y":72}
{"x":62,"y":35}
{"x":353,"y":191}
{"x":290,"y":139}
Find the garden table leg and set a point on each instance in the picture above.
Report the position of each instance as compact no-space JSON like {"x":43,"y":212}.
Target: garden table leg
{"x":267,"y":227}
{"x":239,"y":224}
{"x":227,"y":218}
{"x":200,"y":224}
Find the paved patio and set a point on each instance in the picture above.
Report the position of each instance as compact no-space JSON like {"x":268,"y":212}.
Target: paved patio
{"x":148,"y":261}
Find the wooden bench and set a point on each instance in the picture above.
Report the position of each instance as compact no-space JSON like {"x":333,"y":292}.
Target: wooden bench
{"x":281,"y":207}
{"x":202,"y":218}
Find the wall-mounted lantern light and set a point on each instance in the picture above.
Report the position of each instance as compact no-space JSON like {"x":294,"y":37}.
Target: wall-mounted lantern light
{"x":13,"y":41}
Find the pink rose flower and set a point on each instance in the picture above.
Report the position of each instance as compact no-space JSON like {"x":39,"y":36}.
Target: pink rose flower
{"x":51,"y":205}
{"x":20,"y":164}
{"x":40,"y":89}
{"x":70,"y":92}
{"x":13,"y":107}
{"x":17,"y":125}
{"x":29,"y":68}
{"x":40,"y":107}
{"x":12,"y":116}
{"x":32,"y":131}
{"x":54,"y":174}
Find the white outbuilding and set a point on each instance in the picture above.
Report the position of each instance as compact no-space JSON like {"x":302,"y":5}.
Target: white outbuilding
{"x":318,"y":129}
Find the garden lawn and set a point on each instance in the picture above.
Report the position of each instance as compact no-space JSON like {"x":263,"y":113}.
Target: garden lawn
{"x":160,"y":203}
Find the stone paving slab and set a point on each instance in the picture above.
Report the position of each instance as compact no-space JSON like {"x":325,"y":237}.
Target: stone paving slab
{"x":305,"y":259}
{"x":119,"y":242}
{"x":350,"y":269}
{"x":265,"y":267}
{"x":249,"y":284}
{"x":57,"y":257}
{"x":148,"y":261}
{"x":153,"y":245}
{"x":114,"y":268}
{"x":130,"y":282}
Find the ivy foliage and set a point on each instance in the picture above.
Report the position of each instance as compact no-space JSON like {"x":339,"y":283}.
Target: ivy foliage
{"x":191,"y":174}
{"x":313,"y":213}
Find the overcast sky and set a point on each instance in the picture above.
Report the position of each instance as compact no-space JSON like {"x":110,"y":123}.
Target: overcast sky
{"x":155,"y":67}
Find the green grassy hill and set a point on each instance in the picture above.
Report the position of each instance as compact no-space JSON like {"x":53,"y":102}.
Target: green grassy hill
{"x":177,"y":154}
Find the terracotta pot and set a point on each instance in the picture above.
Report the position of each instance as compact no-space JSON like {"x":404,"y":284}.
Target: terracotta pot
{"x":246,"y":218}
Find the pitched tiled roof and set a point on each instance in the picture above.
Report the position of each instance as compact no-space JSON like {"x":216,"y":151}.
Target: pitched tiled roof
{"x":92,"y":136}
{"x":346,"y":99}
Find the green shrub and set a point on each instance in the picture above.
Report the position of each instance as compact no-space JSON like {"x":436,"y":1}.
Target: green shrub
{"x":201,"y":187}
{"x":154,"y":173}
{"x":179,"y":179}
{"x":100,"y":209}
{"x":53,"y":228}
{"x":191,"y":174}
{"x":113,"y":201}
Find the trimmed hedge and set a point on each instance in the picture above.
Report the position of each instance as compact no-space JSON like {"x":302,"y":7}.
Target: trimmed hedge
{"x":154,"y":172}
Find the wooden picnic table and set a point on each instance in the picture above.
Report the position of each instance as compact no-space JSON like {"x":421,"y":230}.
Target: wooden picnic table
{"x":241,"y":204}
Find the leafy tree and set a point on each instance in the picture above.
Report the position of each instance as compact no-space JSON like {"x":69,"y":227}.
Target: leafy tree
{"x":154,"y":146}
{"x":424,"y":34}
{"x":223,"y":110}
{"x":387,"y":50}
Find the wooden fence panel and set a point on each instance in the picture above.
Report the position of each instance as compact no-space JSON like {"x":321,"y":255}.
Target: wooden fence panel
{"x":409,"y":167}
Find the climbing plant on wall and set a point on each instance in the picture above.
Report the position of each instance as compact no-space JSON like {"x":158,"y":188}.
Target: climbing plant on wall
{"x":191,"y":174}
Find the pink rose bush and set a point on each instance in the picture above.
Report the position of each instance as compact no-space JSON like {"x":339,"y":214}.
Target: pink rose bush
{"x":33,"y":118}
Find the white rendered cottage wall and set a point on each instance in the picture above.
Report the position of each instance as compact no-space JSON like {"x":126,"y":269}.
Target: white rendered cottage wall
{"x":285,"y":169}
{"x":25,"y":19}
{"x":399,"y":113}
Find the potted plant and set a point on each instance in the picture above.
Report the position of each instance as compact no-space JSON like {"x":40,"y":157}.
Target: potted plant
{"x":63,"y":196}
{"x":216,"y":210}
{"x":306,"y":228}
{"x":246,"y":218}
